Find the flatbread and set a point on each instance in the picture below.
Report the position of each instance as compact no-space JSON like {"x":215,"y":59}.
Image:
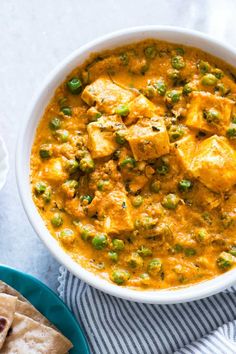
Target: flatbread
{"x":24,"y":307}
{"x":25,"y":312}
{"x":29,"y":310}
{"x":7,"y":289}
{"x":29,"y":336}
{"x":7,"y":311}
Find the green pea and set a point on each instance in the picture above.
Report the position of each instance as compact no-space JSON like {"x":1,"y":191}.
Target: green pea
{"x":150,"y":52}
{"x":74,"y":85}
{"x":62,"y":135}
{"x":226,"y":220}
{"x":95,"y":116}
{"x":207,"y":217}
{"x":71,"y":184}
{"x":220,"y":87}
{"x":176,"y":248}
{"x":202,"y":235}
{"x":187,"y":89}
{"x":47,"y":195}
{"x":155,"y":186}
{"x":161,"y":87}
{"x":158,"y":87}
{"x":209,"y":80}
{"x":177,"y":62}
{"x":113,"y":256}
{"x":72,"y":166}
{"x":57,"y":220}
{"x":180,"y":51}
{"x":86,"y":199}
{"x":116,"y":155}
{"x":174,"y":75}
{"x":118,"y":245}
{"x":63,"y":102}
{"x":40,"y":187}
{"x":174,"y":96}
{"x":218,"y":73}
{"x":120,"y":276}
{"x":154,"y":267}
{"x":86,"y":164}
{"x":100,"y":241}
{"x":212,"y":116}
{"x":101,"y":185}
{"x":231,"y":131}
{"x":170,"y":201}
{"x":185,"y":185}
{"x":150,"y":91}
{"x":144,"y":251}
{"x":189,"y":252}
{"x":98,"y":115}
{"x":144,"y":69}
{"x":67,"y":236}
{"x":204,"y":67}
{"x":67,"y":232}
{"x":163,"y":169}
{"x":86,"y":232}
{"x":233,"y":251}
{"x":137,"y":201}
{"x":55,"y":123}
{"x":175,"y":132}
{"x":67,"y":111}
{"x":120,"y":137}
{"x":146,"y":223}
{"x":124,"y":58}
{"x":144,"y":279}
{"x":225,"y":260}
{"x":128,"y":162}
{"x":122,"y":110}
{"x":135,"y":261}
{"x":45,"y":151}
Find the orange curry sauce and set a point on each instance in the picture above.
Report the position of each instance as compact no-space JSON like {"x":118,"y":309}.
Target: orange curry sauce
{"x":133,"y":165}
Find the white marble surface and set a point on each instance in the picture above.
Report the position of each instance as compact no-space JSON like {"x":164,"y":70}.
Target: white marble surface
{"x":34,"y":36}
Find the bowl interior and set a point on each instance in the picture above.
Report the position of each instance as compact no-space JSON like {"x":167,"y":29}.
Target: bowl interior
{"x":41,"y":100}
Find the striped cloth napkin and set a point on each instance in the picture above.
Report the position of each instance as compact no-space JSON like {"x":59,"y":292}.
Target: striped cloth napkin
{"x":115,"y":326}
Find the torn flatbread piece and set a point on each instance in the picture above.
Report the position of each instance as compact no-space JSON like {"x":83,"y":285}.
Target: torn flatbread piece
{"x":26,"y":309}
{"x":7,"y":311}
{"x":29,"y":336}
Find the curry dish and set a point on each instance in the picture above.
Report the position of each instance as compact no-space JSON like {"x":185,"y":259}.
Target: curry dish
{"x":133,"y":166}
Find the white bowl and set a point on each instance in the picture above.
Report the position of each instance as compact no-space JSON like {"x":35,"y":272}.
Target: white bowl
{"x":171,"y":34}
{"x":4,"y":164}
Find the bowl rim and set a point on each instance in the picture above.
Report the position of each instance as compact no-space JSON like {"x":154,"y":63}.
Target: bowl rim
{"x":125,"y":36}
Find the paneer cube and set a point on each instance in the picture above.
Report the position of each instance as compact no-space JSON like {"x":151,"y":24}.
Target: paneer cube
{"x":140,"y":107}
{"x":101,"y":139}
{"x":184,"y":150}
{"x":53,"y":170}
{"x":215,"y":164}
{"x":209,"y":113}
{"x":148,"y":138}
{"x":106,"y":96}
{"x":115,"y":208}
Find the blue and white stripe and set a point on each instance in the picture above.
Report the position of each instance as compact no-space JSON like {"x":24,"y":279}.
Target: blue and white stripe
{"x":116,"y":326}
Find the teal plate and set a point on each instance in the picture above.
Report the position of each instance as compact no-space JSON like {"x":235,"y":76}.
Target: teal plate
{"x":48,"y":304}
